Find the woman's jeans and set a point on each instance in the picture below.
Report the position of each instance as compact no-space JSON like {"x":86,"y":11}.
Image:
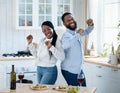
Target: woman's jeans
{"x":71,"y":78}
{"x":47,"y":75}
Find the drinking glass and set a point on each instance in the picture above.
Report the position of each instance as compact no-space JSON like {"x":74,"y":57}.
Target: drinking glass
{"x":80,"y":78}
{"x":21,"y":75}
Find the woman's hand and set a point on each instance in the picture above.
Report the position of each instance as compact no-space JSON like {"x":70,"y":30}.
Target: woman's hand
{"x":48,"y":44}
{"x":35,"y":45}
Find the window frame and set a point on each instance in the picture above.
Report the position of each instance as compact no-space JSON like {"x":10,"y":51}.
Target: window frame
{"x":108,"y":28}
{"x":35,"y":15}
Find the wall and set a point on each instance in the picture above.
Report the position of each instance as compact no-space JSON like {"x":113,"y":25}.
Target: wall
{"x":13,"y":40}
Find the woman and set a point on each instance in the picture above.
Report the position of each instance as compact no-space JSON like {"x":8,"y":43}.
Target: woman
{"x":47,"y":53}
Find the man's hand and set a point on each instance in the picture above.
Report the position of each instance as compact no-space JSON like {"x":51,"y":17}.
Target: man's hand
{"x":48,"y":44}
{"x":80,"y":31}
{"x":90,"y":22}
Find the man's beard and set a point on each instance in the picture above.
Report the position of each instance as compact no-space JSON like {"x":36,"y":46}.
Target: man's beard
{"x":72,"y":28}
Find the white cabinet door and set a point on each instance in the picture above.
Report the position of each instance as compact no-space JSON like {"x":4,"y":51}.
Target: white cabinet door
{"x":20,"y":63}
{"x":2,"y":75}
{"x":114,"y":78}
{"x":28,"y":66}
{"x":101,"y":82}
{"x":60,"y":79}
{"x":114,"y":86}
{"x":105,"y":79}
{"x":88,"y":71}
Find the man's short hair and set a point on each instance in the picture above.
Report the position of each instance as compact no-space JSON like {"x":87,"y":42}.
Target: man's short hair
{"x":63,"y":16}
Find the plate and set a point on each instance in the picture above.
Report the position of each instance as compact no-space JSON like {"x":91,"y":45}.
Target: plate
{"x":39,"y":87}
{"x":61,"y":88}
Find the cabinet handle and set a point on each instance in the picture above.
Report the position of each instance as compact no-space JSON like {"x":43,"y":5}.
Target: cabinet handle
{"x":98,"y":75}
{"x":115,"y":70}
{"x":99,"y":66}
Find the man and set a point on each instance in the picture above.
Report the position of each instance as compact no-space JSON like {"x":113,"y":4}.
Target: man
{"x":72,"y":44}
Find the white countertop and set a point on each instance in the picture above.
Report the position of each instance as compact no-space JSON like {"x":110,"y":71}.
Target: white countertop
{"x":89,"y":59}
{"x":100,"y":61}
{"x":25,"y":88}
{"x":2,"y":58}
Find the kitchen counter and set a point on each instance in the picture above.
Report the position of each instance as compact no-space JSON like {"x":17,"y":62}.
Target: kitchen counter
{"x":16,"y":58}
{"x":89,"y":59}
{"x":25,"y":88}
{"x":104,"y":61}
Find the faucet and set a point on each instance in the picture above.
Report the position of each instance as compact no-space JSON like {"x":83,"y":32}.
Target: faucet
{"x":112,"y":47}
{"x":106,"y":44}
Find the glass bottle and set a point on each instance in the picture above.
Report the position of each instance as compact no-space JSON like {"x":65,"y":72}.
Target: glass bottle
{"x":13,"y":79}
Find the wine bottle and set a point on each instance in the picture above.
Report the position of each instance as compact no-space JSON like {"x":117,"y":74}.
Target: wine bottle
{"x":13,"y":79}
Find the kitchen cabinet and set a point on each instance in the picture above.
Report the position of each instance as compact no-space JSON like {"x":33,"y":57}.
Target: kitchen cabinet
{"x":27,"y":65}
{"x":60,"y":80}
{"x":88,"y":69}
{"x":2,"y":76}
{"x":106,"y":79}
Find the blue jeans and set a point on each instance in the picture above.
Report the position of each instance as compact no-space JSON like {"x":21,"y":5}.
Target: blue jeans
{"x":71,"y":78}
{"x":47,"y":75}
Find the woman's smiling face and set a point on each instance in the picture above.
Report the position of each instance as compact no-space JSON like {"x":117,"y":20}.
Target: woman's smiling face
{"x":48,"y":32}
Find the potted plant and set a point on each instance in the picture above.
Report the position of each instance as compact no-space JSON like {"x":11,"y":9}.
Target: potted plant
{"x":118,"y":39}
{"x":118,"y":36}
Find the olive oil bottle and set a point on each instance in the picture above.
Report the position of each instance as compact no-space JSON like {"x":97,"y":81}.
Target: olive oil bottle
{"x":13,"y":79}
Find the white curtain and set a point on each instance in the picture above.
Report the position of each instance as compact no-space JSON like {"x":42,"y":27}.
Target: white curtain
{"x":92,"y":13}
{"x":95,"y":9}
{"x":84,"y":9}
{"x":80,"y":13}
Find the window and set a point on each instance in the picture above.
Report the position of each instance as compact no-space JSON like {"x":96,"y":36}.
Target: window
{"x":31,"y":13}
{"x":106,"y":16}
{"x":45,"y":10}
{"x":111,"y":19}
{"x":25,"y":13}
{"x":63,"y":6}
